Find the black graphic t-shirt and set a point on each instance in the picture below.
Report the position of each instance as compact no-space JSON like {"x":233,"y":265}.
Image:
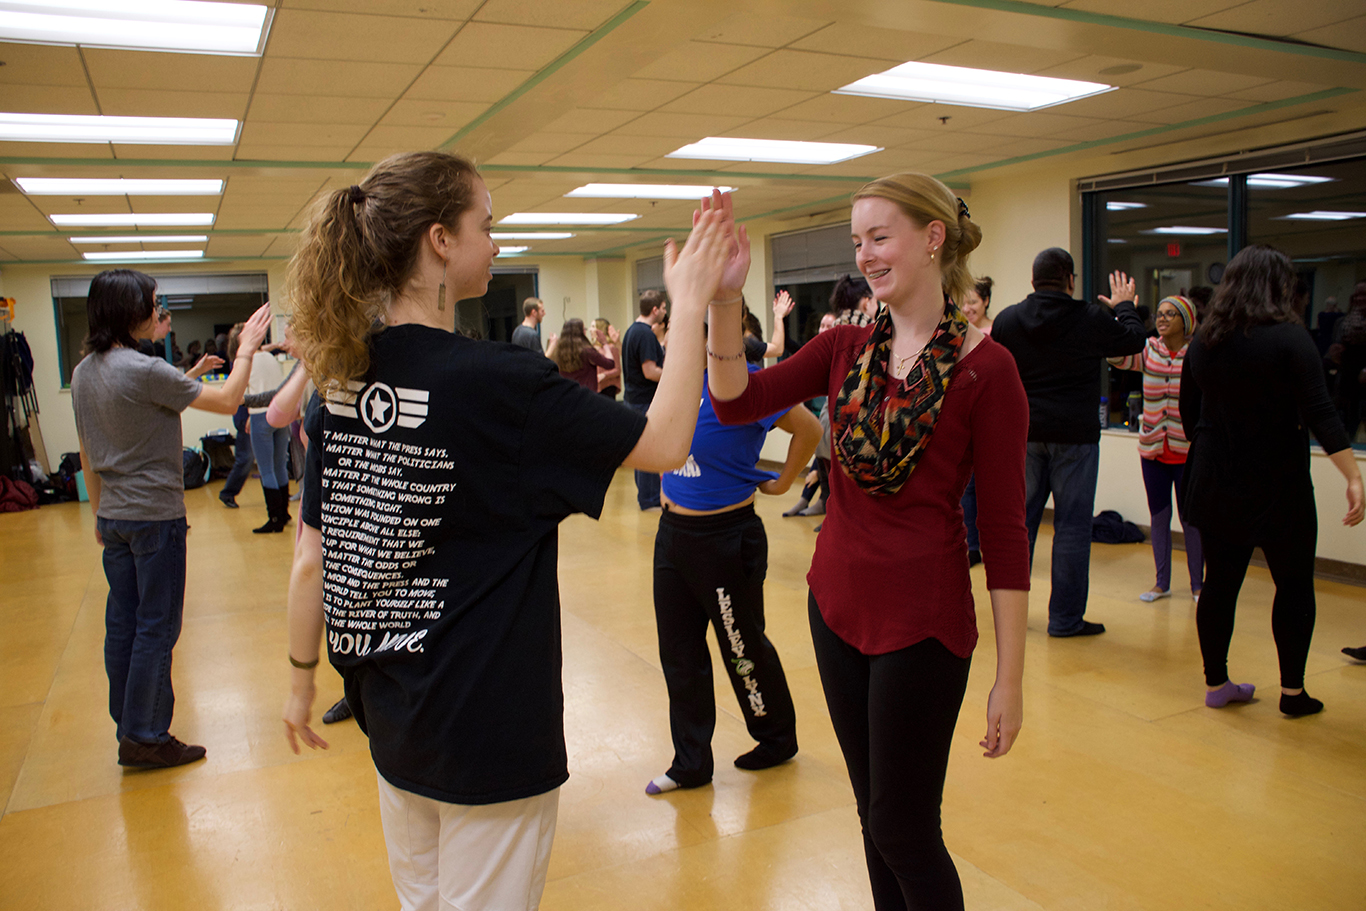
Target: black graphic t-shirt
{"x":639,"y":345}
{"x":439,"y":486}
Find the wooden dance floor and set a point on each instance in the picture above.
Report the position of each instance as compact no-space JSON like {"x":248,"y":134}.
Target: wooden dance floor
{"x":1123,"y":792}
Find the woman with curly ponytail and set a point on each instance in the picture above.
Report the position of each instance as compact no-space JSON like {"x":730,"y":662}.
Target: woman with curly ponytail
{"x":438,"y":472}
{"x":919,"y":400}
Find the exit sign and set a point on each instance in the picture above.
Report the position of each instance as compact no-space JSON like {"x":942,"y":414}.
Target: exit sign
{"x":1173,"y":250}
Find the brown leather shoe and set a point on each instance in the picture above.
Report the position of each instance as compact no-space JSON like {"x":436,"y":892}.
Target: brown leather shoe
{"x":157,"y":755}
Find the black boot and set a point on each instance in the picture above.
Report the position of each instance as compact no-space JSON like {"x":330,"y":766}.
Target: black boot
{"x":273,"y":525}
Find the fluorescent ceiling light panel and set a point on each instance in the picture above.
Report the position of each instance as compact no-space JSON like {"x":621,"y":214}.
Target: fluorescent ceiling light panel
{"x":132,"y":219}
{"x":1323,"y":215}
{"x":644,"y":191}
{"x":143,"y":239}
{"x":1116,"y":240}
{"x":117,"y":186}
{"x":161,"y":25}
{"x":1185,"y":229}
{"x":972,"y":87}
{"x":504,"y":251}
{"x":784,"y":151}
{"x":202,"y":131}
{"x":566,"y":218}
{"x":132,"y":255}
{"x":1124,"y":206}
{"x":1270,"y":181}
{"x":531,"y":235}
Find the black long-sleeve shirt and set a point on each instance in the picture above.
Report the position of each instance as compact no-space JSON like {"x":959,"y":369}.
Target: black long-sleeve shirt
{"x":1059,"y":344}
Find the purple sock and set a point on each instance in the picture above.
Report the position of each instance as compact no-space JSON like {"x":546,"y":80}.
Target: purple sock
{"x":1229,"y":692}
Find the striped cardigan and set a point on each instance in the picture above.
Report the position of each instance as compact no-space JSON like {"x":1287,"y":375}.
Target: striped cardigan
{"x":1161,"y":422}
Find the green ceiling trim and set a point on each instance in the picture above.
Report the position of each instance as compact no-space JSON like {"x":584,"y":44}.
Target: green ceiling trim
{"x":1163,"y":28}
{"x":547,"y":71}
{"x":1154,"y":131}
{"x":667,"y":172}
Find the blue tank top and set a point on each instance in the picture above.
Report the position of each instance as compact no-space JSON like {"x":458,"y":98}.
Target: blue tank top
{"x":721,"y":469}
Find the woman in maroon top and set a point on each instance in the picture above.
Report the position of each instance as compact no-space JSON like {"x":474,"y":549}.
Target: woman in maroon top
{"x":919,"y":401}
{"x":576,"y":357}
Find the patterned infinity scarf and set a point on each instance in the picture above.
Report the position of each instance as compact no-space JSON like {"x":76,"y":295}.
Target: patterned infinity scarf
{"x":880,"y":426}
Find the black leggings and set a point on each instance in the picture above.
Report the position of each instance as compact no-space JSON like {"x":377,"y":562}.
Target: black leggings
{"x":710,"y":570}
{"x":1290,"y":558}
{"x":894,"y":716}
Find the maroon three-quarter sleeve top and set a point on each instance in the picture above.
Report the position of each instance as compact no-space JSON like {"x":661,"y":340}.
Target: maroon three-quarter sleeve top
{"x":891,"y":571}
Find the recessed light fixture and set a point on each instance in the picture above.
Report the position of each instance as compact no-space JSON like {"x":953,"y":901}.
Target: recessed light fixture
{"x":162,"y":25}
{"x":143,"y":239}
{"x":1124,"y":206}
{"x":504,"y":251}
{"x":137,"y":130}
{"x":644,"y":191}
{"x":728,"y":148}
{"x":116,"y":186}
{"x":972,"y":87}
{"x":1270,"y":181}
{"x":130,"y":255}
{"x":1185,"y":229}
{"x":1322,"y":215}
{"x":566,"y":218}
{"x":531,"y":235}
{"x":132,"y":219}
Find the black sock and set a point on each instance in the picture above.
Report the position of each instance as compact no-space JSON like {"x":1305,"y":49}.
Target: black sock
{"x":1300,"y":704}
{"x":764,"y":757}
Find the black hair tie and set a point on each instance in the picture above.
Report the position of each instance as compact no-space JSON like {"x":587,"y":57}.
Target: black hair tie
{"x":357,"y":195}
{"x":962,"y":208}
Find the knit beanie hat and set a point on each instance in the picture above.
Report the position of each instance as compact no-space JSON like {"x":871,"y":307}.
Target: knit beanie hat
{"x":1184,"y":307}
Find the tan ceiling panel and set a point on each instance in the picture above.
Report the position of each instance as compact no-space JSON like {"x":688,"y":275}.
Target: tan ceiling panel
{"x":804,"y":70}
{"x":260,"y":184}
{"x":254,"y":218}
{"x":890,"y":44}
{"x":67,"y":205}
{"x":289,"y":76}
{"x":782,"y":128}
{"x":25,"y":249}
{"x":187,"y":72}
{"x":578,"y":159}
{"x":1130,"y":104}
{"x":933,"y":117}
{"x":1276,"y":17}
{"x":511,"y":47}
{"x":749,"y":102}
{"x":621,"y":144}
{"x":1038,"y":123}
{"x":386,"y":140}
{"x":1007,"y":58}
{"x":1277,"y":91}
{"x":578,"y":14}
{"x":302,"y":134}
{"x":639,"y":95}
{"x":1203,"y":82}
{"x":315,"y":109}
{"x":688,"y":127}
{"x":450,"y":115}
{"x":250,"y":245}
{"x":38,"y":64}
{"x":261,"y":151}
{"x":760,"y":29}
{"x":173,"y":203}
{"x":1015,"y":148}
{"x":48,"y":99}
{"x":464,"y":83}
{"x":205,"y":153}
{"x":26,"y":220}
{"x":418,"y":9}
{"x":699,"y":62}
{"x":520,"y":158}
{"x":878,"y":134}
{"x":1170,"y":11}
{"x":1195,"y":109}
{"x":841,"y":109}
{"x":1092,"y":68}
{"x":345,"y":36}
{"x":592,"y":120}
{"x":152,"y":103}
{"x":1106,"y":129}
{"x":552,"y":142}
{"x":1349,"y":35}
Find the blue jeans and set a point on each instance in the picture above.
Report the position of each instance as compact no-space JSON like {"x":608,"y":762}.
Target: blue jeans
{"x":241,"y":466}
{"x":647,"y":484}
{"x":145,"y":565}
{"x":970,"y":513}
{"x":1067,"y":471}
{"x":271,"y":448}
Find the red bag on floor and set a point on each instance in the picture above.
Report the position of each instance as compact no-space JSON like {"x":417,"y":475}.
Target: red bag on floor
{"x":17,"y":496}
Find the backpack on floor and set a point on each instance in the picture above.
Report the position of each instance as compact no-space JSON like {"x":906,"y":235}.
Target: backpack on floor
{"x":1110,"y":528}
{"x":196,"y":468}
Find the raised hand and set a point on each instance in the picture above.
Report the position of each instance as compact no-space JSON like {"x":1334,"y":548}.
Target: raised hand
{"x":738,"y":256}
{"x":693,"y":274}
{"x":1122,"y":288}
{"x":782,"y":305}
{"x":254,"y":331}
{"x":207,"y":364}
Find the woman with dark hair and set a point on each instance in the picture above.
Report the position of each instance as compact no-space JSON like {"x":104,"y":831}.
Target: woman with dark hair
{"x":439,"y":470}
{"x":607,"y":341}
{"x":576,"y":357}
{"x":1250,"y":386}
{"x":852,"y":301}
{"x":976,"y":305}
{"x":919,"y":400}
{"x":128,"y":421}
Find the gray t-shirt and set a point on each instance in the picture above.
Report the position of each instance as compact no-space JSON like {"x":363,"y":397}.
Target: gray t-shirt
{"x":128,"y":416}
{"x":527,"y":337}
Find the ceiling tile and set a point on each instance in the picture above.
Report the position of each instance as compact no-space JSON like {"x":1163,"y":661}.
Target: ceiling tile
{"x":1036,"y":124}
{"x":206,"y":153}
{"x":261,"y":184}
{"x":838,"y":109}
{"x":465,"y":83}
{"x":782,"y":128}
{"x":152,"y":103}
{"x":760,"y":29}
{"x":1194,"y":110}
{"x":302,"y":134}
{"x":254,"y":218}
{"x":1092,"y":68}
{"x":250,"y":245}
{"x":291,"y":76}
{"x":49,"y":99}
{"x":1277,"y":17}
{"x":579,"y":159}
{"x":1007,"y":58}
{"x":551,"y":142}
{"x":447,"y":115}
{"x":891,"y":44}
{"x":1349,"y":35}
{"x":639,"y":95}
{"x":386,"y":140}
{"x":346,"y":36}
{"x":699,"y":62}
{"x":1170,"y":11}
{"x":518,"y":47}
{"x":932,"y":116}
{"x":101,"y":204}
{"x":687,"y":127}
{"x":260,"y":151}
{"x":1203,"y":82}
{"x":39,"y":64}
{"x":143,"y":70}
{"x":519,"y":158}
{"x":746,"y":101}
{"x":420,"y":9}
{"x":172,"y":203}
{"x":315,"y":109}
{"x":878,"y":135}
{"x":1277,"y":91}
{"x":620,"y":144}
{"x":581,"y":120}
{"x":787,"y":69}
{"x":579,"y":14}
{"x":1124,"y":104}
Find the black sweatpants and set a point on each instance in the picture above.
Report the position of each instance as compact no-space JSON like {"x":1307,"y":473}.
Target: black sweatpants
{"x":711,"y":569}
{"x":1290,"y":558}
{"x":894,"y":716}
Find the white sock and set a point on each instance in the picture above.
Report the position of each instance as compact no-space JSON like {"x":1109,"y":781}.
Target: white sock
{"x":660,"y":785}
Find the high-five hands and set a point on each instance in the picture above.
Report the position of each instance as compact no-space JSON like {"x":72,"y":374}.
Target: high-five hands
{"x":697,"y":273}
{"x":1122,"y":288}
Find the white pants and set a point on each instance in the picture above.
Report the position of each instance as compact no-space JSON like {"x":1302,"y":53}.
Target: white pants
{"x":458,"y":857}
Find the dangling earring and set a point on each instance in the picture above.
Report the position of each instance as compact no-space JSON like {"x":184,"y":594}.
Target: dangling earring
{"x":441,"y":291}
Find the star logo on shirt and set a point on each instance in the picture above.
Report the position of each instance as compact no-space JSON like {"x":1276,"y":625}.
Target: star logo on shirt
{"x":379,"y":407}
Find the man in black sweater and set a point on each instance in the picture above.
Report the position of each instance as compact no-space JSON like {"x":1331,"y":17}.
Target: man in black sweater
{"x":1059,"y":344}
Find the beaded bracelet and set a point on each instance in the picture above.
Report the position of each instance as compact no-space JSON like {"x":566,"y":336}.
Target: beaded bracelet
{"x":726,"y":357}
{"x":304,"y":665}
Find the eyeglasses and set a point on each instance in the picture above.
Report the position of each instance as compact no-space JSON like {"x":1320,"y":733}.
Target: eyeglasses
{"x":1163,"y":314}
